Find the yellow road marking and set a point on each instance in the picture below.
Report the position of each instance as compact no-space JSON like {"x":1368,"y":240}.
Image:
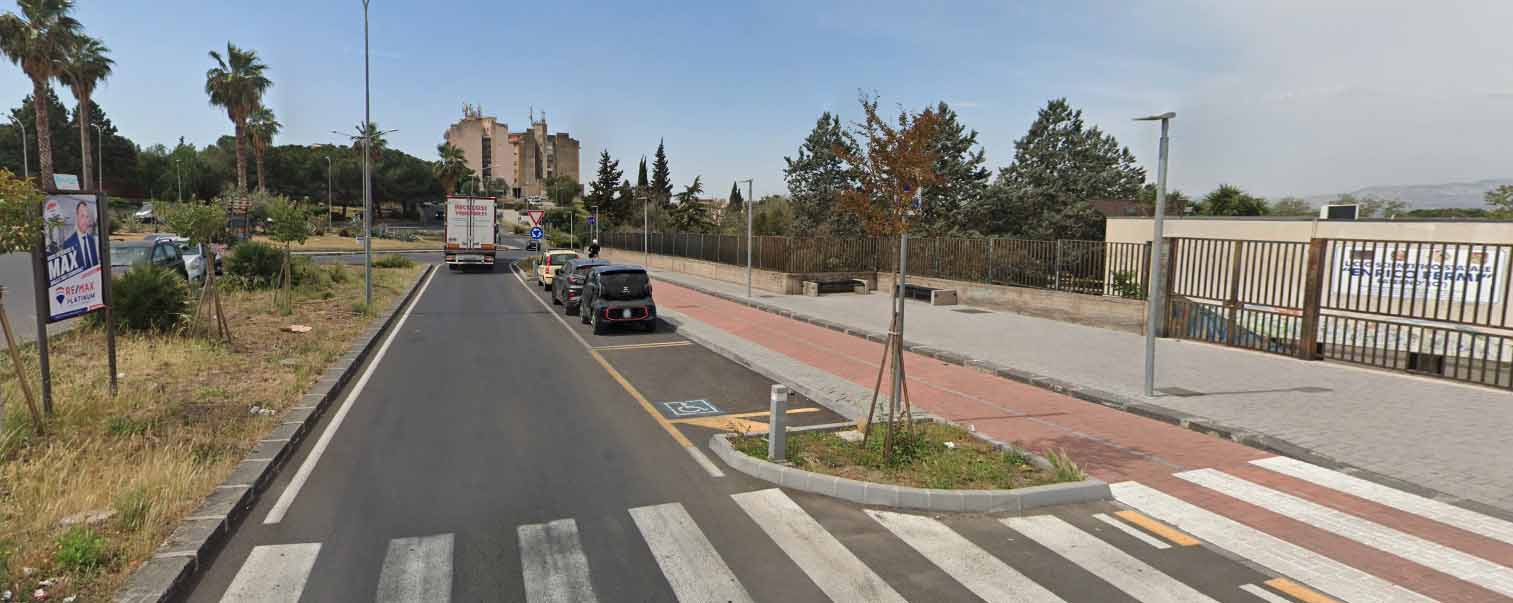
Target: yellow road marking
{"x":763,"y":413}
{"x":1158,"y":528}
{"x":1299,"y":592}
{"x":725,"y":423}
{"x":643,"y":346}
{"x":645,"y":405}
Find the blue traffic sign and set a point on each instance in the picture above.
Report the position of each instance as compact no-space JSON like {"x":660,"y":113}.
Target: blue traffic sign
{"x":592,"y":220}
{"x":537,"y":233}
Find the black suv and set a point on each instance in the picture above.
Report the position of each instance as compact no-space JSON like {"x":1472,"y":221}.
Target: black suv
{"x":618,"y":294}
{"x":567,"y":286}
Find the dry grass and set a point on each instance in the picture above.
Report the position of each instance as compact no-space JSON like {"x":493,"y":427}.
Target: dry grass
{"x":179,"y":425}
{"x":336,"y":243}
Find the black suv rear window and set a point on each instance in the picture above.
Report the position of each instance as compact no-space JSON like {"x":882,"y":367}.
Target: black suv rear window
{"x":624,"y":284}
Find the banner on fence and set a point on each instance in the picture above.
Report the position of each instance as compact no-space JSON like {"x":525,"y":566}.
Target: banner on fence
{"x":1469,"y":273}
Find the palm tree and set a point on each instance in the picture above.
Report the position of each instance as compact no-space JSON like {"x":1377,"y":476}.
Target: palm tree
{"x":38,"y":41}
{"x":262,"y":126}
{"x":452,"y":167}
{"x":379,"y":144}
{"x":88,"y":64}
{"x":237,"y":83}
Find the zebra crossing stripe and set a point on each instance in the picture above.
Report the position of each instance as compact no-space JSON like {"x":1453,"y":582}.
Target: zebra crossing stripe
{"x":1264,"y":595}
{"x":1114,"y":566}
{"x":832,"y":567}
{"x":1444,"y":513}
{"x":273,"y":574}
{"x":689,"y":562}
{"x":976,"y":569}
{"x":1277,"y":555}
{"x":417,"y":569}
{"x":1475,"y":570}
{"x":1127,"y":529}
{"x":552,"y":563}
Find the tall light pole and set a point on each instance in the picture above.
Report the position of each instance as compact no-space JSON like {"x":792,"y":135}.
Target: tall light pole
{"x":99,"y":157}
{"x":328,"y":194}
{"x":1153,"y":302}
{"x":748,"y":235}
{"x":646,"y":230}
{"x":178,"y":179}
{"x":367,"y":170}
{"x":26,"y":168}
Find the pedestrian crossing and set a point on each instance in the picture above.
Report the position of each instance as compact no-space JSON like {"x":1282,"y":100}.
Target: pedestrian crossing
{"x":1289,"y":548}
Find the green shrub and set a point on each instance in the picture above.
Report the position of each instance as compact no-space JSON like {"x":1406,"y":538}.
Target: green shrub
{"x":257,"y":264}
{"x":306,"y":273}
{"x":338,"y":274}
{"x":1127,"y":285}
{"x":149,"y":298}
{"x":82,"y":550}
{"x":131,"y":508}
{"x":393,"y":260}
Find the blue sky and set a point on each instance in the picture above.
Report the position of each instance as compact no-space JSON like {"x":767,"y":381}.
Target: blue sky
{"x":1283,"y":97}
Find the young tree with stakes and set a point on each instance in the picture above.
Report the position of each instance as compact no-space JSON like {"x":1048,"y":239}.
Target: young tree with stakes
{"x":895,"y":164}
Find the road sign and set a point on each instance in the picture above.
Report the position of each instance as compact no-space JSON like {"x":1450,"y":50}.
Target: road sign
{"x":537,"y":233}
{"x":592,"y":220}
{"x":535,"y":215}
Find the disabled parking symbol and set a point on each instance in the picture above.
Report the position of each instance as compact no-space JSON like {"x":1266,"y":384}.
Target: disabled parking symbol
{"x":689,"y":408}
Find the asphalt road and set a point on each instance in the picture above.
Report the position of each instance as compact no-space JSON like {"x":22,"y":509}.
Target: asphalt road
{"x":499,"y":453}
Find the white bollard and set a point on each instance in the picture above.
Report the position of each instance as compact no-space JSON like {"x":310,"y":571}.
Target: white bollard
{"x":777,"y":437}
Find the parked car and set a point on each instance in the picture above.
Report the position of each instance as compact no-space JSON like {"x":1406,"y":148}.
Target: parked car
{"x":533,"y":245}
{"x":567,"y":288}
{"x":550,"y":262}
{"x":195,"y":255}
{"x":617,"y":294}
{"x":145,"y":215}
{"x":158,"y":252}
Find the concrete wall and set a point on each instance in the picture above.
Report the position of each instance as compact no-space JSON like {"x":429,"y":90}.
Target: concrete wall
{"x":1092,"y":310}
{"x":1138,"y":230}
{"x":765,"y":280}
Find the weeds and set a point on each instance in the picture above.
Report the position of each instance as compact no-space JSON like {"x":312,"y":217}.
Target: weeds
{"x":131,"y":509}
{"x":1066,"y":470}
{"x":81,"y":550}
{"x":393,"y":260}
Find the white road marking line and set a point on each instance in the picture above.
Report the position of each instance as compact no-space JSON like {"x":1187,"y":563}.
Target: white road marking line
{"x":1320,"y":572}
{"x":1475,"y":570}
{"x":832,"y":567}
{"x":417,"y":569}
{"x":272,"y":574}
{"x":698,"y":455}
{"x":1445,"y":513}
{"x":703,"y":461}
{"x":689,"y":562}
{"x":553,"y":564}
{"x":1264,"y":595}
{"x":1132,"y":531}
{"x":976,"y":569}
{"x":1114,"y":566}
{"x":286,"y":499}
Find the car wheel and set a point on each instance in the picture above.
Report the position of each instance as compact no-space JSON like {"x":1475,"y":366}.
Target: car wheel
{"x":650,"y":325}
{"x":598,"y":324}
{"x":570,"y":310}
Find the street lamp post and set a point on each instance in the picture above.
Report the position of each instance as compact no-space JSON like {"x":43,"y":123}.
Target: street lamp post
{"x":328,"y":194}
{"x":26,"y":168}
{"x":178,"y":179}
{"x":1155,"y":287}
{"x":646,"y":231}
{"x":99,"y":157}
{"x":368,"y":192}
{"x":748,"y":235}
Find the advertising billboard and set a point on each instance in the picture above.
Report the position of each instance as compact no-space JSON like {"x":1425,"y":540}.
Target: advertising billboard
{"x":74,"y":273}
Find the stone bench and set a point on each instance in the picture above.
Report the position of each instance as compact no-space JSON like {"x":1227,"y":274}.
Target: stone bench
{"x":936,"y":297}
{"x":850,"y":285}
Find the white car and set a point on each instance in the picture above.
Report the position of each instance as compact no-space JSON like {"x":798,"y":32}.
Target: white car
{"x":145,"y":215}
{"x":195,"y":255}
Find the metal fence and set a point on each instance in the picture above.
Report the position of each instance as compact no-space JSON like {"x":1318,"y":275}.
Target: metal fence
{"x":1087,"y":267}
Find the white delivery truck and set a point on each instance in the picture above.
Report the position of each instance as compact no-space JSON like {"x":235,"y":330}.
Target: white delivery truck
{"x":471,"y":232}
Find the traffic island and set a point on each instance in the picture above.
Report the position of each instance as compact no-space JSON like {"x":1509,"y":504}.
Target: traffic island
{"x":940,"y":467}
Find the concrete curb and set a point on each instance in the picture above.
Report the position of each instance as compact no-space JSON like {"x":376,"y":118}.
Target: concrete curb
{"x":904,"y":497}
{"x":1200,"y":424}
{"x":200,"y":535}
{"x":315,"y":252}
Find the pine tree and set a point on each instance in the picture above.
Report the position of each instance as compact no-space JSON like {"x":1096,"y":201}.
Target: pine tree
{"x":817,"y":176}
{"x":736,"y":202}
{"x":1059,"y":166}
{"x":661,"y":176}
{"x":963,"y":175}
{"x":602,"y":189}
{"x":641,"y":182}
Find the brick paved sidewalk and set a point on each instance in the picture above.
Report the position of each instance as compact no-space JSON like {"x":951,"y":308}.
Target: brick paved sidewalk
{"x":1351,"y":538}
{"x":1431,"y":433}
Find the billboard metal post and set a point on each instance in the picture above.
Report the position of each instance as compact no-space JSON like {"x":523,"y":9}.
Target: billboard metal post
{"x":103,"y":203}
{"x":40,"y":287}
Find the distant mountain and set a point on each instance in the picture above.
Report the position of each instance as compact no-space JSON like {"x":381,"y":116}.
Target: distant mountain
{"x":1425,"y":196}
